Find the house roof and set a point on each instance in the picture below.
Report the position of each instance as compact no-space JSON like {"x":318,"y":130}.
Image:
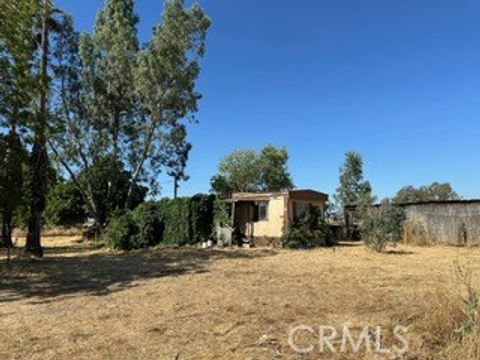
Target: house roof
{"x":297,"y":194}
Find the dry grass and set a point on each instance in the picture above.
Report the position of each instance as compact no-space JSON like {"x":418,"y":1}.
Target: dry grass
{"x":52,"y":232}
{"x":81,"y":303}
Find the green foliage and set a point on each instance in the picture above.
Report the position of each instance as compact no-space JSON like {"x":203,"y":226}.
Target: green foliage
{"x":241,"y":170}
{"x":309,"y":231}
{"x":149,"y":224}
{"x":18,"y":81}
{"x":221,"y":213}
{"x":201,"y":217}
{"x":137,"y":229}
{"x":125,"y":103}
{"x":471,"y":302}
{"x":433,"y":192}
{"x":253,"y":171}
{"x":382,"y":226}
{"x":187,"y":220}
{"x":176,"y":216}
{"x":353,"y":189}
{"x":177,"y":150}
{"x":111,"y":185}
{"x":221,"y":185}
{"x":122,"y":232}
{"x":274,"y":171}
{"x":178,"y":221}
{"x":65,"y":206}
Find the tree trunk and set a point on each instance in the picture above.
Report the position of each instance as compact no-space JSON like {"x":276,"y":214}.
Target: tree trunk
{"x":175,"y":187}
{"x":38,"y":189}
{"x":7,"y":229}
{"x":39,"y":156}
{"x":346,"y":216}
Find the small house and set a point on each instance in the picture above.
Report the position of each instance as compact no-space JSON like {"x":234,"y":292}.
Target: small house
{"x":262,"y":218}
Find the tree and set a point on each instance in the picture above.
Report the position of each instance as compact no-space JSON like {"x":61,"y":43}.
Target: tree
{"x":177,"y":150}
{"x":24,"y":73}
{"x":353,"y":189}
{"x":253,"y":171}
{"x":433,"y":192}
{"x":38,"y":161}
{"x":13,"y":158}
{"x":17,"y":90}
{"x":273,"y":163}
{"x":126,"y":102}
{"x":107,"y":175}
{"x":239,"y":171}
{"x":65,"y":206}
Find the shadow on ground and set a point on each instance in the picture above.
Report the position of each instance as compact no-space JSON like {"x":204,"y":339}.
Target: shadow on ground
{"x":65,"y":272}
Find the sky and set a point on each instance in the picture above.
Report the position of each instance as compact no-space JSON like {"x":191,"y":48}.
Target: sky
{"x":397,"y":81}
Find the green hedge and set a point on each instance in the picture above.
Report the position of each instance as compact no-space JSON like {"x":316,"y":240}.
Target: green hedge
{"x":176,"y":217}
{"x":171,"y":222}
{"x":201,"y":217}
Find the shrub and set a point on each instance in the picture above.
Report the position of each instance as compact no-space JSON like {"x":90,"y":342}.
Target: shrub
{"x":382,"y":226}
{"x":136,"y":229}
{"x":201,"y":217}
{"x":172,"y":222}
{"x":149,"y":224}
{"x":221,"y":213}
{"x":309,"y":231}
{"x":176,"y":217}
{"x":122,"y":232}
{"x":471,"y":302}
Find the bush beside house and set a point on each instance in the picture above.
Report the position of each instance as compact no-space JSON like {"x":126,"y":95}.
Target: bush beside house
{"x":309,"y":231}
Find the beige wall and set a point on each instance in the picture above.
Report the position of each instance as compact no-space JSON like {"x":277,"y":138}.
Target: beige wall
{"x":280,"y":217}
{"x":273,"y":227}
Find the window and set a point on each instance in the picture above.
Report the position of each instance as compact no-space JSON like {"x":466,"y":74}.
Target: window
{"x":261,"y":211}
{"x":300,"y":208}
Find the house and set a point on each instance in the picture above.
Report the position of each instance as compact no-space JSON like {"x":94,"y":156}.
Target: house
{"x":263,"y":218}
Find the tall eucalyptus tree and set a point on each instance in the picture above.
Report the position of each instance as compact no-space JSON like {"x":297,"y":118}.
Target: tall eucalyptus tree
{"x":121,"y":103}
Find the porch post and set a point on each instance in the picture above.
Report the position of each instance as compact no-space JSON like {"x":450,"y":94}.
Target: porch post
{"x":232,"y":216}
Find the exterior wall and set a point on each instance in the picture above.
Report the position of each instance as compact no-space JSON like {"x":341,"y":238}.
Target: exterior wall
{"x":273,"y":226}
{"x":444,"y":223}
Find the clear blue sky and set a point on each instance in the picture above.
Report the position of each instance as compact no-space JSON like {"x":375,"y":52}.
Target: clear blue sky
{"x":397,"y":81}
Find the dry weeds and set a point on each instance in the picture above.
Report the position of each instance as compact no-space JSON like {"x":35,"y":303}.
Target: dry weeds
{"x":82,"y":303}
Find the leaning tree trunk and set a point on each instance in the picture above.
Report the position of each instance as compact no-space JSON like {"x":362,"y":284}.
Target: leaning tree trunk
{"x":39,"y":157}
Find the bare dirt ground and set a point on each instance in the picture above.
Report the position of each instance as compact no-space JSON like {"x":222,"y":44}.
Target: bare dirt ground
{"x":84,"y":303}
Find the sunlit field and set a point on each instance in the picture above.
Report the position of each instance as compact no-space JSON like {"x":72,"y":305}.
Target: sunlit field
{"x":81,"y":302}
